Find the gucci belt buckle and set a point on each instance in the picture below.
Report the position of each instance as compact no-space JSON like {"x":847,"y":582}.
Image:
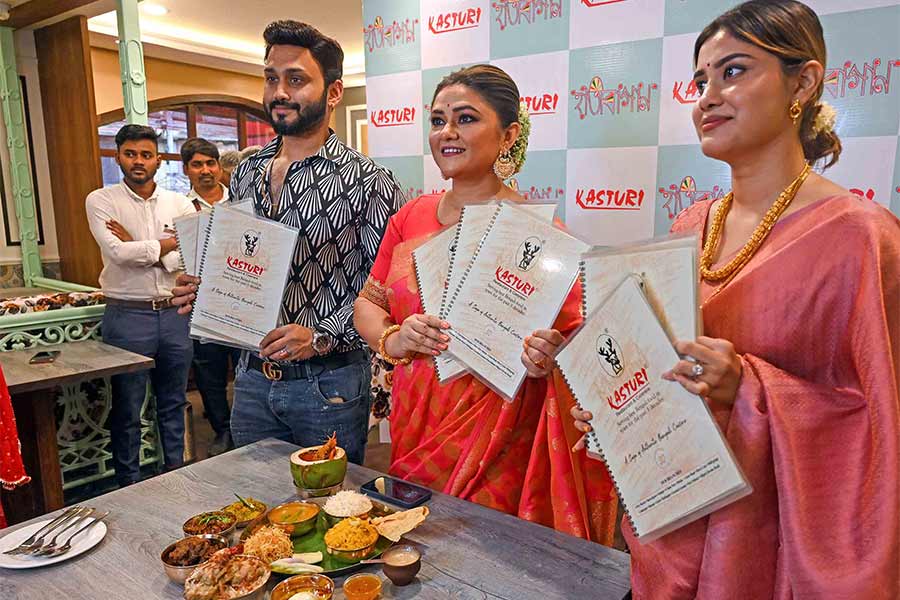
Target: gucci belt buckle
{"x":272,"y":371}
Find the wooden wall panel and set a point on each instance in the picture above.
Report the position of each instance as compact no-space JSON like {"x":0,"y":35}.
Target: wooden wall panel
{"x":70,"y":120}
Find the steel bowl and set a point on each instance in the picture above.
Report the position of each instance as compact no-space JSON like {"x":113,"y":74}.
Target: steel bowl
{"x":351,"y":556}
{"x":333,"y":520}
{"x":296,"y":528}
{"x":180,"y":574}
{"x":228,"y":533}
{"x":259,"y":592}
{"x":262,"y":511}
{"x":307,"y":493}
{"x":322,"y":584}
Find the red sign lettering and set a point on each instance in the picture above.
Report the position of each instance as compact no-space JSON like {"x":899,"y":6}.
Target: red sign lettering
{"x":598,"y":199}
{"x":454,"y":21}
{"x":245,"y":267}
{"x":393,"y":117}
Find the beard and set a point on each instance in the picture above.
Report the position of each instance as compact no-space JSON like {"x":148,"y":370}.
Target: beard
{"x":307,"y":118}
{"x":139,"y":178}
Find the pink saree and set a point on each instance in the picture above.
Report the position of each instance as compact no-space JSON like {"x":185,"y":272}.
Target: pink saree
{"x":463,"y":439}
{"x":816,"y":423}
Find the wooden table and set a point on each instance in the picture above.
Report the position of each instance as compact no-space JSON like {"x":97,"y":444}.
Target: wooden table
{"x":470,"y":552}
{"x":34,"y":403}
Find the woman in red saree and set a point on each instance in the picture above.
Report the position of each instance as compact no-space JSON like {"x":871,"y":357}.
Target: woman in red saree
{"x":801,"y":363}
{"x":462,"y":438}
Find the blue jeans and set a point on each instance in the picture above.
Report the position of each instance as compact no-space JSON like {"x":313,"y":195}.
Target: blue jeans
{"x":163,"y":336}
{"x":304,"y":411}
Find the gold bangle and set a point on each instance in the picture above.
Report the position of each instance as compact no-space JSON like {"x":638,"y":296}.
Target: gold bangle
{"x":384,"y":336}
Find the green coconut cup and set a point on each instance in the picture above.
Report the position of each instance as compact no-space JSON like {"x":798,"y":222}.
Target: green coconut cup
{"x":318,"y":474}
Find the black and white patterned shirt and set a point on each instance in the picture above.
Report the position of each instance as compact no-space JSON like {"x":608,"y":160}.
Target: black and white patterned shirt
{"x":341,"y":201}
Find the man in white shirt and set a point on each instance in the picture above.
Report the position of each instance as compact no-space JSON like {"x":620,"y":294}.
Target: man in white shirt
{"x":200,"y":158}
{"x":201,"y":164}
{"x":132,"y":223}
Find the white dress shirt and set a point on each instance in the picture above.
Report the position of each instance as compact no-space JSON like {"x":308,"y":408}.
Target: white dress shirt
{"x":134,"y":270}
{"x":194,"y":196}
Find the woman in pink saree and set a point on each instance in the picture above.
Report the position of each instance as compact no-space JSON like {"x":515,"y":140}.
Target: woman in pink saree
{"x":801,"y":359}
{"x":462,"y":438}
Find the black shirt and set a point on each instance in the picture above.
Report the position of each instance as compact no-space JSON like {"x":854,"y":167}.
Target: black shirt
{"x":341,"y":201}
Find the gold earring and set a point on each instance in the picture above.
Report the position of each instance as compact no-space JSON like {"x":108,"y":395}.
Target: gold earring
{"x":504,"y":167}
{"x":795,"y":111}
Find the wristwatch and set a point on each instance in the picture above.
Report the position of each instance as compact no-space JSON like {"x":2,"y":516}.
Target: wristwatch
{"x":322,"y":342}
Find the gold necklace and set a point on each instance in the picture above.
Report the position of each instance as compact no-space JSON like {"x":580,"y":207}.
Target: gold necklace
{"x":710,"y":248}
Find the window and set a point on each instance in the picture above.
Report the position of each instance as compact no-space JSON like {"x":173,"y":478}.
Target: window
{"x":230,"y":123}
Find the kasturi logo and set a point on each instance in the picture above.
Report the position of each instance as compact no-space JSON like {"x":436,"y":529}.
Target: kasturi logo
{"x":393,"y":117}
{"x":604,"y":199}
{"x":509,"y":279}
{"x":456,"y":20}
{"x":243,"y":266}
{"x":250,"y":241}
{"x":528,"y":251}
{"x":541,"y":104}
{"x":628,"y":390}
{"x":685,"y":92}
{"x":609,"y":354}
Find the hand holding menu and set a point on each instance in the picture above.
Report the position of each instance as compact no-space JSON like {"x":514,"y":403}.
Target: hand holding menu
{"x":667,"y":457}
{"x":244,"y":267}
{"x":517,"y":282}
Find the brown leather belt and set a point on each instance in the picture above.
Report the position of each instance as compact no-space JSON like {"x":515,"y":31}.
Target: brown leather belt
{"x":161,"y":304}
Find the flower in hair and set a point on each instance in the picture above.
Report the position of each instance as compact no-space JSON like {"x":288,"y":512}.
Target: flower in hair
{"x":517,"y":152}
{"x":825,"y":118}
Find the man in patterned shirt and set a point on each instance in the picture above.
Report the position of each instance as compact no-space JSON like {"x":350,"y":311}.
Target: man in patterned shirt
{"x":311,"y":376}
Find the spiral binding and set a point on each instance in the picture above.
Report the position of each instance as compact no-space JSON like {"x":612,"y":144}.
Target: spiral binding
{"x":418,"y":280}
{"x":582,"y":279}
{"x":474,"y":257}
{"x":201,"y":260}
{"x":181,"y":264}
{"x":591,"y":440}
{"x":441,"y":312}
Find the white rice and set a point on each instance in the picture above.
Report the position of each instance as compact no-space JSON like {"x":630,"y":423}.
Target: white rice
{"x":347,"y":503}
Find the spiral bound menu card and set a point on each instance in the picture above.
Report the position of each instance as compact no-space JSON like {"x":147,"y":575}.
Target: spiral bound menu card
{"x":187,"y":230}
{"x":472,"y":226}
{"x":665,"y":453}
{"x":517,"y":282}
{"x":668,"y":269}
{"x":244,"y":268}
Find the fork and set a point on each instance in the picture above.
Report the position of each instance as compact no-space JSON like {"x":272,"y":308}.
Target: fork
{"x":31,"y":543}
{"x":68,"y":545}
{"x":47,"y":549}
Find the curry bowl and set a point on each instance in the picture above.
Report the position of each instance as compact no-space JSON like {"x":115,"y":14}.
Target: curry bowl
{"x":296,"y":518}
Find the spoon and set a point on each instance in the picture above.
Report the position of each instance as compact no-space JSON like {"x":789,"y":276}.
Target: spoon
{"x":244,"y":502}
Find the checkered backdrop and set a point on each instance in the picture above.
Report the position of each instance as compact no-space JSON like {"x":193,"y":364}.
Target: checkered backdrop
{"x":608,"y":84}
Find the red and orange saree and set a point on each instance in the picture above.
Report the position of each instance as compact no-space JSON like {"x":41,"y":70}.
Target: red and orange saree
{"x":463,"y":439}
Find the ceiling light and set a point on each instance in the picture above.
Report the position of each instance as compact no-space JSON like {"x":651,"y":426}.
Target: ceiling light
{"x":154,"y":10}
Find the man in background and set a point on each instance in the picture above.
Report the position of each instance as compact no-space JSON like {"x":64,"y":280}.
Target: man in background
{"x":230,"y":159}
{"x":132,"y":223}
{"x":201,"y":164}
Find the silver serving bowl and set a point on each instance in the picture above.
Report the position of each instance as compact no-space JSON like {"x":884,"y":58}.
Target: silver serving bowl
{"x":180,"y":574}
